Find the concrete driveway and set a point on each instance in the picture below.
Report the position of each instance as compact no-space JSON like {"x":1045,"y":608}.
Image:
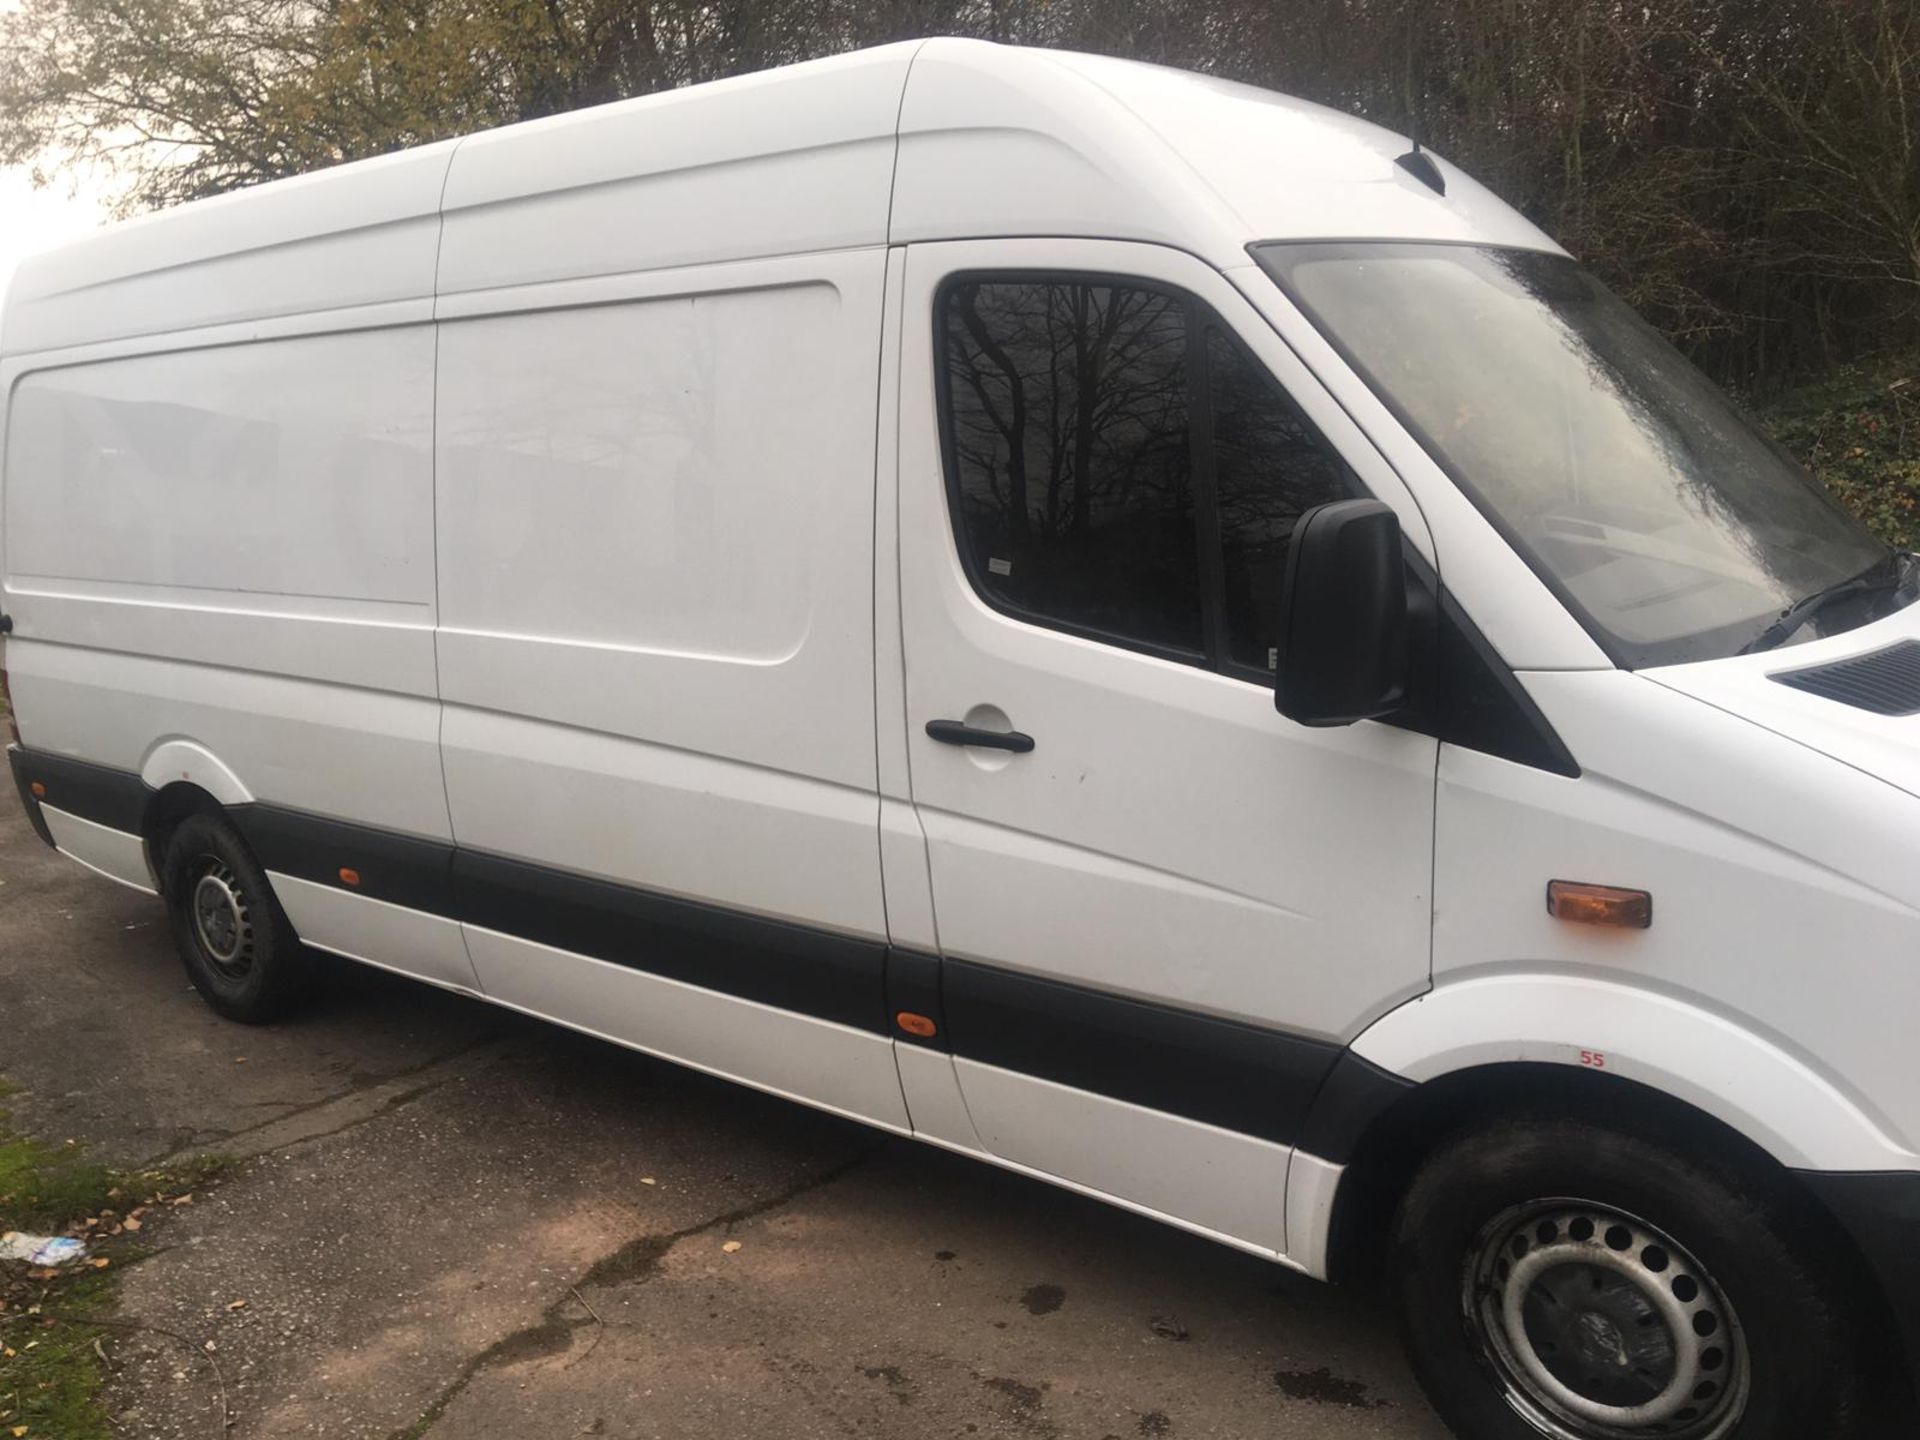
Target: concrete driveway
{"x":450,"y":1221}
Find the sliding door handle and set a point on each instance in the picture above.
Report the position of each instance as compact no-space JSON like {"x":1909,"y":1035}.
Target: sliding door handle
{"x":953,"y":732}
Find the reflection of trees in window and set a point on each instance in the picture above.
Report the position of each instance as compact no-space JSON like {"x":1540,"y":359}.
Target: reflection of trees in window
{"x":1072,"y":451}
{"x":1074,"y":462}
{"x":1268,"y":468}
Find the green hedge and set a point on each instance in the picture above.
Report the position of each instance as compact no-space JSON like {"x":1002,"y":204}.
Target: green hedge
{"x":1859,"y":431}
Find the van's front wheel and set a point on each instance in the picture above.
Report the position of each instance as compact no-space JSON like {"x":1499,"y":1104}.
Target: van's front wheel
{"x":1567,"y":1280}
{"x":237,"y":945}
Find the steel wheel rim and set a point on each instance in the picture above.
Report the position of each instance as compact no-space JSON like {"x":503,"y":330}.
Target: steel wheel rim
{"x":1598,"y":1326}
{"x":222,"y":922}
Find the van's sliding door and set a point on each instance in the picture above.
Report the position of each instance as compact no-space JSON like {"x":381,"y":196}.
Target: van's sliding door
{"x":655,"y":515}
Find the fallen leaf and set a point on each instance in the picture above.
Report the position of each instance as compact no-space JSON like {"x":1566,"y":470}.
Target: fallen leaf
{"x":102,"y":1263}
{"x":731,"y":1246}
{"x":236,"y":1304}
{"x":130,"y":1223}
{"x":648,"y":1180}
{"x":1166,"y":1328}
{"x":18,"y":1431}
{"x":181,"y":1200}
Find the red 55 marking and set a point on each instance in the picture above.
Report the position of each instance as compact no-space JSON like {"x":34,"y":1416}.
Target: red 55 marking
{"x":1593,"y":1059}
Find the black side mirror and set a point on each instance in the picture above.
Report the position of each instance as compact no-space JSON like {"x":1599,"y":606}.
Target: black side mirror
{"x":1342,"y":654}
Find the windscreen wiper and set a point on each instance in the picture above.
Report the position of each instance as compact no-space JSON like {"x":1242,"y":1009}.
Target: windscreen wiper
{"x":1897,"y":574}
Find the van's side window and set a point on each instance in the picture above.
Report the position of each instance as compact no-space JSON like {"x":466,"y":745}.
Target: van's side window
{"x":1074,"y":462}
{"x":1084,"y":495}
{"x":1269,"y":467}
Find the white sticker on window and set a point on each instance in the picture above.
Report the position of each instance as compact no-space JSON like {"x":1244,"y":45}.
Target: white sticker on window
{"x":997,"y":566}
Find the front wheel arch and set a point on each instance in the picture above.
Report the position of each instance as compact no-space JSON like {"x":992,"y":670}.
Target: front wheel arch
{"x":1400,"y":1140}
{"x":1401,"y":1137}
{"x":1571,"y":1277}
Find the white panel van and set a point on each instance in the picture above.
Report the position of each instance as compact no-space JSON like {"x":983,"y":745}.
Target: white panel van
{"x":1108,"y":621}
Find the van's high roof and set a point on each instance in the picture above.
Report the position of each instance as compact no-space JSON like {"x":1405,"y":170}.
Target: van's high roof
{"x":923,"y":140}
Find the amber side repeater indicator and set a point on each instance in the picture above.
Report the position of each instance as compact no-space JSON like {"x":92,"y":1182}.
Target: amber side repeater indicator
{"x":916,"y":1024}
{"x":1582,"y":904}
{"x":39,"y":790}
{"x":349,"y":876}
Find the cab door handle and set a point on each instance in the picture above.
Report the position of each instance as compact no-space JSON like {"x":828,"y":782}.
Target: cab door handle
{"x":953,"y":732}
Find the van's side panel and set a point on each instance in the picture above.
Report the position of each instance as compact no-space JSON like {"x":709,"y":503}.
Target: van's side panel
{"x":656,"y":649}
{"x":232,"y":545}
{"x":656,"y":490}
{"x":656,"y":658}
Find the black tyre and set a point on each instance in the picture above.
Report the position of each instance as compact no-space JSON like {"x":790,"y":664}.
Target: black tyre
{"x":1566,"y":1279}
{"x":238,"y":947}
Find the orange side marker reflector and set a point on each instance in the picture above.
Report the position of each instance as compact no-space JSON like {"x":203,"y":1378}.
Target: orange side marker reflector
{"x":349,"y":877}
{"x":39,"y":790}
{"x":916,"y":1024}
{"x":1599,"y":905}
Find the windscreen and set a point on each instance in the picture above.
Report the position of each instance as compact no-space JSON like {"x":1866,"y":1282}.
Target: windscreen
{"x":1667,"y":522}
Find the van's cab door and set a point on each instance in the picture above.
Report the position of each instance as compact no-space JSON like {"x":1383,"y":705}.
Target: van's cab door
{"x":1159,"y":923}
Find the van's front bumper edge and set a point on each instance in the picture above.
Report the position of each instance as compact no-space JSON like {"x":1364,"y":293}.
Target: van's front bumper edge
{"x":1880,"y":1210}
{"x":17,"y":762}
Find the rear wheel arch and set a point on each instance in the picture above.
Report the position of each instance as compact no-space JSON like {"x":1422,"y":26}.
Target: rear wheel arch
{"x":177,"y":760}
{"x":182,"y":778}
{"x":166,"y":809}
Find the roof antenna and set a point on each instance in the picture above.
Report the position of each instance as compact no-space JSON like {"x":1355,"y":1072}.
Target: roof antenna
{"x":1416,"y":162}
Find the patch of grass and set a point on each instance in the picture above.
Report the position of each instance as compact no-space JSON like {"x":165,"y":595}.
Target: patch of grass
{"x":1858,"y":429}
{"x":48,"y":1187}
{"x":50,"y":1371}
{"x":51,"y":1360}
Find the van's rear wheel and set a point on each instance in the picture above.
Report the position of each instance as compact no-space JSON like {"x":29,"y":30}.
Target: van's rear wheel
{"x":1568,"y":1280}
{"x":239,"y":950}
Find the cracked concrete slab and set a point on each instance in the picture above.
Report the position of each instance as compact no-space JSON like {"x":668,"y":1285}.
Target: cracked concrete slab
{"x":445,"y":1229}
{"x":921,"y":1294}
{"x":111,"y":1045}
{"x":319,"y":1119}
{"x":377,"y":1260}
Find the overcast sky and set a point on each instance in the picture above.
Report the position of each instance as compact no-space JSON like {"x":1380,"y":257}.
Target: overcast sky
{"x":33,"y":219}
